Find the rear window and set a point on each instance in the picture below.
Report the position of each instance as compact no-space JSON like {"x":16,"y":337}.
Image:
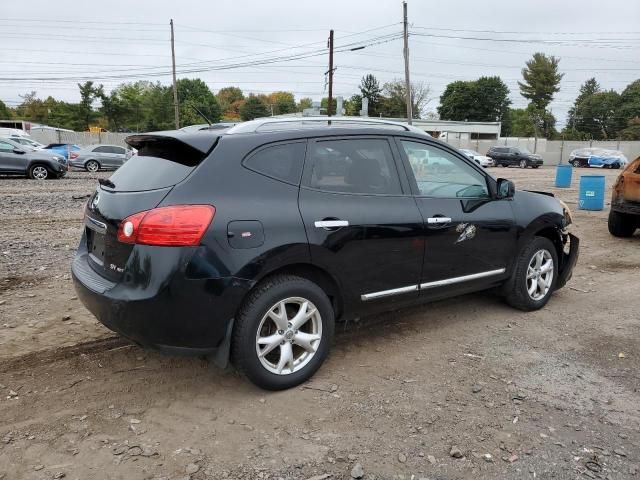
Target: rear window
{"x":159,"y":163}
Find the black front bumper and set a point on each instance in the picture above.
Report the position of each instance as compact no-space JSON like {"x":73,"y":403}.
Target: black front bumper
{"x":165,"y":311}
{"x":568,"y":261}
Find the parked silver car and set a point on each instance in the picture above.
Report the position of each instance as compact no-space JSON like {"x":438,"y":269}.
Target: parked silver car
{"x":100,"y":157}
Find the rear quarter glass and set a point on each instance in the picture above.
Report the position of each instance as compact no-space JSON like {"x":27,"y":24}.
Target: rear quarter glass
{"x":157,"y":165}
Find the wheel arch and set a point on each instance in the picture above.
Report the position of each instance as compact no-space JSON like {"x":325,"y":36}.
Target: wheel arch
{"x":313,"y":273}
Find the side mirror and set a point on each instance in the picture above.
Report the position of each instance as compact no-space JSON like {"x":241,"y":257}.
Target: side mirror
{"x":506,"y":188}
{"x":18,"y":150}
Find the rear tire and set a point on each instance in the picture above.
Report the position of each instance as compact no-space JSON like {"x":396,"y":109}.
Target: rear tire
{"x":293,"y":351}
{"x":622,"y":225}
{"x":92,"y":166}
{"x":576,"y":163}
{"x":523,"y":164}
{"x":39,"y":172}
{"x":530,"y":287}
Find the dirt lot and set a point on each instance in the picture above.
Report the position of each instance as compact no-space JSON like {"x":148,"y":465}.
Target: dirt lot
{"x":465,"y":388}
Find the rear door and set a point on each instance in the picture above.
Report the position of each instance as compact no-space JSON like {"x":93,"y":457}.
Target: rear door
{"x":362,"y":225}
{"x":119,"y":156}
{"x":469,"y":235}
{"x":103,"y":155}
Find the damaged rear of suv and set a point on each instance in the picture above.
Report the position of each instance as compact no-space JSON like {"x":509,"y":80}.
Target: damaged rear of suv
{"x":624,"y":216}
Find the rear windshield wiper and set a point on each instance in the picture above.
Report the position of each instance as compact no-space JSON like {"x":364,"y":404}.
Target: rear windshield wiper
{"x":105,"y":182}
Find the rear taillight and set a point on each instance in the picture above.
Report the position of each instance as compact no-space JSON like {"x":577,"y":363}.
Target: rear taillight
{"x":73,"y":155}
{"x":174,"y":226}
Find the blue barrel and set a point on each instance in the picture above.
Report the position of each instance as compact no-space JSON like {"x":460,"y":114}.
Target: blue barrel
{"x":563,"y":176}
{"x":591,"y":196}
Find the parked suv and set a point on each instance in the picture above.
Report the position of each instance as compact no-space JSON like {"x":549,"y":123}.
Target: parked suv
{"x":521,"y":157}
{"x":624,"y":216}
{"x":17,"y":159}
{"x":252,"y":242}
{"x":99,"y":157}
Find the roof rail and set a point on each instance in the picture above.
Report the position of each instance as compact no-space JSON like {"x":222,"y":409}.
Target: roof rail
{"x":271,"y":124}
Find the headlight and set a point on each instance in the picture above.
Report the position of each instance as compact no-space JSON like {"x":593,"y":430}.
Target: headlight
{"x":568,"y":217}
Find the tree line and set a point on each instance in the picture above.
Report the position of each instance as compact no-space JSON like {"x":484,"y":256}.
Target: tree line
{"x":148,"y":106}
{"x":596,"y":114}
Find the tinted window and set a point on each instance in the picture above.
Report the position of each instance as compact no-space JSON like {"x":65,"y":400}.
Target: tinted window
{"x":441,"y":174}
{"x":118,"y":150}
{"x":283,"y":161}
{"x":159,"y":163}
{"x":102,"y":149}
{"x":353,"y":166}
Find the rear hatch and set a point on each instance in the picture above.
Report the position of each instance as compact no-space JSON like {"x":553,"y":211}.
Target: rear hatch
{"x":163,"y":160}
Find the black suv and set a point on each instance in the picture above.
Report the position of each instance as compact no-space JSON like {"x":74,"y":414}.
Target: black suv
{"x":521,"y":157}
{"x":17,"y":159}
{"x":251,"y":243}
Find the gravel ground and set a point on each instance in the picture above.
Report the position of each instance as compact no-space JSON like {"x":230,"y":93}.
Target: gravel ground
{"x":464,"y":388}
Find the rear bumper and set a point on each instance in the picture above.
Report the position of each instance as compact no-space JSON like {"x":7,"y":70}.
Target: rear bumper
{"x":568,"y":261}
{"x":631,"y":208}
{"x":164,"y":311}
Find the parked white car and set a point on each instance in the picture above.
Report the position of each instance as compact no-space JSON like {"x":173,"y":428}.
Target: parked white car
{"x":483,"y":160}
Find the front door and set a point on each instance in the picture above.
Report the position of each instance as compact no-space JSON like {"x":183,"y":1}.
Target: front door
{"x":362,"y":226}
{"x":469,"y":235}
{"x":11,"y":162}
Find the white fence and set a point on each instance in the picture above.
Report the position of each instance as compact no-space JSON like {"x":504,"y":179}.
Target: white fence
{"x":553,"y":151}
{"x":79,"y":138}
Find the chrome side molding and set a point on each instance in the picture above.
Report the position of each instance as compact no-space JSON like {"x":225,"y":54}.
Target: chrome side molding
{"x":424,"y":286}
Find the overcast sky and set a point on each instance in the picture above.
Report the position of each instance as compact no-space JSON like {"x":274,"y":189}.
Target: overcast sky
{"x":129,"y":40}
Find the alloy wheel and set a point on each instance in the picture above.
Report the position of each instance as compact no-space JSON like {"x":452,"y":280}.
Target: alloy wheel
{"x":289,"y":335}
{"x":523,"y":164}
{"x":92,"y":166}
{"x":540,"y":274}
{"x":40,"y":173}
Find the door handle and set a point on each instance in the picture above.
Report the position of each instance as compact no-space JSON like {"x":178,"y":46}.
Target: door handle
{"x":438,"y":220}
{"x":327,"y":224}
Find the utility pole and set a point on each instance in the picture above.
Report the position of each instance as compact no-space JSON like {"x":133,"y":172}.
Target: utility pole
{"x":406,"y":64}
{"x":330,"y":103}
{"x":175,"y":86}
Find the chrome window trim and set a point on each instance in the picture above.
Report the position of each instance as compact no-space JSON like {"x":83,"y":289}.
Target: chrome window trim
{"x":425,"y":286}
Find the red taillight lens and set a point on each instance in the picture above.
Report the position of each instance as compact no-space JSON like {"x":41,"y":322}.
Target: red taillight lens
{"x":175,"y":226}
{"x":73,"y":155}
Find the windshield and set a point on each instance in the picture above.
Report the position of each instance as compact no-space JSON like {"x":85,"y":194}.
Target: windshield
{"x":523,"y":150}
{"x":471,"y":152}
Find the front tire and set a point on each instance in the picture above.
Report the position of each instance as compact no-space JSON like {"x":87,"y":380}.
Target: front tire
{"x":622,"y":225}
{"x":39,"y":172}
{"x":534,"y":276}
{"x":523,"y":164}
{"x":576,"y":163}
{"x":283,"y":332}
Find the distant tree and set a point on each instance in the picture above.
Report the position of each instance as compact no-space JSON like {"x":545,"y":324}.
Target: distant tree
{"x":353,"y":105}
{"x":482,"y":100}
{"x":282,"y":102}
{"x":5,"y":112}
{"x":541,"y":80}
{"x":519,"y":124}
{"x":254,"y":107}
{"x":588,"y":88}
{"x":89,"y":93}
{"x":304,"y":103}
{"x":630,"y":101}
{"x":229,"y":99}
{"x":632,"y":132}
{"x":195,"y":93}
{"x":394,"y":101}
{"x":600,"y":115}
{"x":370,"y":89}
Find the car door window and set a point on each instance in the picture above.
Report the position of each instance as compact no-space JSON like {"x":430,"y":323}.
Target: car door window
{"x":281,"y":161}
{"x":101,"y":150}
{"x":359,"y":165}
{"x":118,"y":150}
{"x":6,"y":147}
{"x":441,"y":174}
